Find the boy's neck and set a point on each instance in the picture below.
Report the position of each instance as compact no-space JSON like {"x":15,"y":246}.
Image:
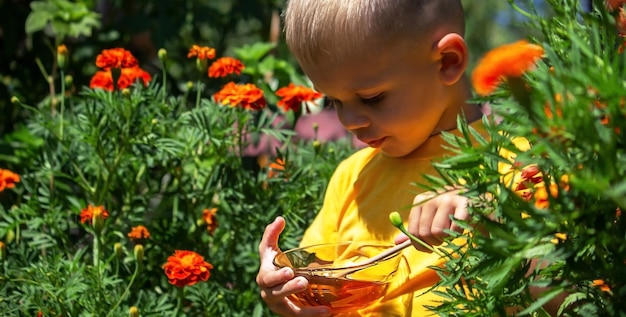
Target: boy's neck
{"x":458,"y":104}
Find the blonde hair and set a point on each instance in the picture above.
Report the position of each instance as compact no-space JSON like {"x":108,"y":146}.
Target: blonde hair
{"x":333,"y":30}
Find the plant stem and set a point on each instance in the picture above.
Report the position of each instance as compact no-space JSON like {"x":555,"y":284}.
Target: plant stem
{"x":180,"y":299}
{"x":62,"y":104}
{"x":164,"y":88}
{"x":175,"y":210}
{"x":96,"y":250}
{"x":127,"y":290}
{"x":198,"y":93}
{"x":420,"y":242}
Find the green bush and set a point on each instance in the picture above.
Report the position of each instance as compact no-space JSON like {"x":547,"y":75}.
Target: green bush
{"x":158,"y":160}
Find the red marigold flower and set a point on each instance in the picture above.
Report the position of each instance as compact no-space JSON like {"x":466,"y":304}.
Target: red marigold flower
{"x":139,"y":233}
{"x":208,"y":215}
{"x":87,"y":214}
{"x":248,"y":96}
{"x":186,"y":268}
{"x":293,"y":96}
{"x":225,"y":66}
{"x":104,"y":80}
{"x":130,"y":75}
{"x":8,"y":179}
{"x":116,"y":58}
{"x":201,"y":52}
{"x":511,"y":60}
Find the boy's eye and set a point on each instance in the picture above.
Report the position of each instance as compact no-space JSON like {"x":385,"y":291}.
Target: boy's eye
{"x":373,"y":100}
{"x":333,"y":102}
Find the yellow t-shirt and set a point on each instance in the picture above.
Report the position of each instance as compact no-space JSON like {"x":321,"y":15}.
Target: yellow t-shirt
{"x":362,"y":192}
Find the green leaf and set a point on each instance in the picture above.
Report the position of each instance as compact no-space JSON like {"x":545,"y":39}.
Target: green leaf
{"x":253,"y":52}
{"x":542,"y":300}
{"x":37,"y":20}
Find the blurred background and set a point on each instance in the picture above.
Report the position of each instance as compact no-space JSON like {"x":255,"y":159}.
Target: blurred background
{"x":27,"y":42}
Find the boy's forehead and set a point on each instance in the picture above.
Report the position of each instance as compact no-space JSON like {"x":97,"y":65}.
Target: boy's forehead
{"x":362,"y":74}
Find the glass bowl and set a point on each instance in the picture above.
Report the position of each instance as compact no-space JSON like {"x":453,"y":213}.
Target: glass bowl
{"x":334,"y":281}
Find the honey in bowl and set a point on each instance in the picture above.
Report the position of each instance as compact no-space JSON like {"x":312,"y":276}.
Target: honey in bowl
{"x":339,"y":294}
{"x":333,"y":281}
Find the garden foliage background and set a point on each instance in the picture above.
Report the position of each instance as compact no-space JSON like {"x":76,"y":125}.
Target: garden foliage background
{"x":165,"y":156}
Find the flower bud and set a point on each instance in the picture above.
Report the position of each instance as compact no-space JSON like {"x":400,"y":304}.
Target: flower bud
{"x":162,"y":53}
{"x":62,"y":56}
{"x":15,"y":100}
{"x":154,"y":121}
{"x":138,"y":252}
{"x":317,"y":146}
{"x":133,"y":311}
{"x":69,"y":80}
{"x":201,"y":65}
{"x":98,"y":222}
{"x":3,"y":251}
{"x":119,"y":250}
{"x":189,"y":85}
{"x":10,"y":236}
{"x":126,"y":92}
{"x":395,"y":219}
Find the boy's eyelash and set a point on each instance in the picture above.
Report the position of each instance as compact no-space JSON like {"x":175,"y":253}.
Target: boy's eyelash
{"x":333,"y":102}
{"x":373,"y":100}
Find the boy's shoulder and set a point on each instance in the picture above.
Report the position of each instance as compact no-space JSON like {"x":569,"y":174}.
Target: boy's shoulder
{"x":357,"y":160}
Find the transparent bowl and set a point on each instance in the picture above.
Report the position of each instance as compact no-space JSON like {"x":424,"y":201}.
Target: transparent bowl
{"x":334,"y":281}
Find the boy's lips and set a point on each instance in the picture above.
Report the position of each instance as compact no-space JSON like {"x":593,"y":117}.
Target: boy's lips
{"x":375,"y":143}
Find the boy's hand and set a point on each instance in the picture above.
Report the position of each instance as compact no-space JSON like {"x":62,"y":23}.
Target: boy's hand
{"x":430,"y":216}
{"x":277,"y":285}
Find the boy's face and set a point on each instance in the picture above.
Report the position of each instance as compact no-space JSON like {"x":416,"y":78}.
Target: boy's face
{"x":393,"y":100}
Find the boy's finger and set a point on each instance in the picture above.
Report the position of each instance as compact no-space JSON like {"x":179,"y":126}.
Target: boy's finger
{"x":460,"y":213}
{"x":271,"y":235}
{"x":272,"y":278}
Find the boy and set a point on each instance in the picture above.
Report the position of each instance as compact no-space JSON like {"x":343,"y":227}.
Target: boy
{"x":394,"y":70}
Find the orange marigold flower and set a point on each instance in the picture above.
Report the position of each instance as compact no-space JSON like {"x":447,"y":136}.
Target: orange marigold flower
{"x":130,"y":75}
{"x":138,"y":233}
{"x":293,"y":96}
{"x":225,"y":66}
{"x":275,"y":168}
{"x":248,"y":96}
{"x":87,"y":214}
{"x":201,"y":52}
{"x":116,"y":58}
{"x":601,"y":284}
{"x":62,"y":49}
{"x":186,"y":268}
{"x":104,"y":80}
{"x":620,"y":21}
{"x":614,"y":4}
{"x":542,"y":197}
{"x":621,"y":47}
{"x":511,"y":60}
{"x":208,"y":215}
{"x":8,"y":179}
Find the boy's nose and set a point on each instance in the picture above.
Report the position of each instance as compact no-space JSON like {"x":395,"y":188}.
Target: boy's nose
{"x":353,"y":120}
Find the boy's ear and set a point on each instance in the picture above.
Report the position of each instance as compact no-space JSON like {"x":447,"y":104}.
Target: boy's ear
{"x":453,"y":55}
